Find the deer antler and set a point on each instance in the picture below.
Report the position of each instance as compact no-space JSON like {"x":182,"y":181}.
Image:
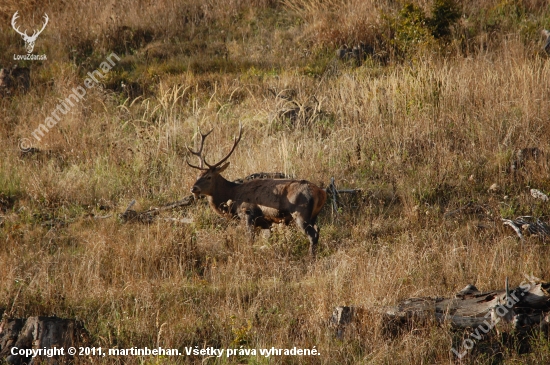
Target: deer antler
{"x":202,"y":160}
{"x":35,"y":34}
{"x":236,"y":141}
{"x":199,"y":152}
{"x":13,"y":19}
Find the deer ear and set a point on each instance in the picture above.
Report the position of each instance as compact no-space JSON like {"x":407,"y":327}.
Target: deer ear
{"x":222,"y":167}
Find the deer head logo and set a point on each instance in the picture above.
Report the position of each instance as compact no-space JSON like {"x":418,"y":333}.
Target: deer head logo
{"x":29,"y":40}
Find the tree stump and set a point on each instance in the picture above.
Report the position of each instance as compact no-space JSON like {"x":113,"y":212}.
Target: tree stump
{"x":40,"y":333}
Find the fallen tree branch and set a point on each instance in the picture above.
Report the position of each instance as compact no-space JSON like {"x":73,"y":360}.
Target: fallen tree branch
{"x":148,"y":215}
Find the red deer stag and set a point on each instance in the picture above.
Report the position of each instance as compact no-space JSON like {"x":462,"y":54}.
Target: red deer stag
{"x":260,"y":203}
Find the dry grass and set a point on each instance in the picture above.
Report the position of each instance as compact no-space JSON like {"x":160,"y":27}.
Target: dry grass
{"x":422,"y":137}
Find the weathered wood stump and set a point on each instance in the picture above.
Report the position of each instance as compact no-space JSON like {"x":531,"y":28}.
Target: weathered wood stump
{"x":44,"y":333}
{"x":9,"y":332}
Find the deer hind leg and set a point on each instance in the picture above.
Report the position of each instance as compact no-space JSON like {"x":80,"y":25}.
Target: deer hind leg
{"x":312,"y":233}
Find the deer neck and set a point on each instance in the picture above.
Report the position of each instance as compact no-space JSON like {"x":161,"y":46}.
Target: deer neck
{"x":223,"y":192}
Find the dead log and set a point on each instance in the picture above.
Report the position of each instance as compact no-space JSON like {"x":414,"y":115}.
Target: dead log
{"x":40,"y":333}
{"x":520,"y":310}
{"x":470,"y":308}
{"x":527,"y":225}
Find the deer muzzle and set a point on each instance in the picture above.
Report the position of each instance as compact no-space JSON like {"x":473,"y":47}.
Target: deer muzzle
{"x":195,"y":190}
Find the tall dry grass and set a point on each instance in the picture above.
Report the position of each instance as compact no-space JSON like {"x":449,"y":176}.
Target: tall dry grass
{"x":421,"y":138}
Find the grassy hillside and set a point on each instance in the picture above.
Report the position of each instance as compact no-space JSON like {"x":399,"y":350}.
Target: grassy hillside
{"x":431,"y":122}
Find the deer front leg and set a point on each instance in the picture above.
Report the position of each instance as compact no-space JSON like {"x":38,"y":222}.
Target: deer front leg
{"x":250,"y":226}
{"x":246,"y":214}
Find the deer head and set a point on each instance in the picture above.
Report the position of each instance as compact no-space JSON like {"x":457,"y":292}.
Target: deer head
{"x":210,"y":175}
{"x":29,"y":40}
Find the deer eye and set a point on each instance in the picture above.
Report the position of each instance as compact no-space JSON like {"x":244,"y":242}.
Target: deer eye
{"x":208,"y":177}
